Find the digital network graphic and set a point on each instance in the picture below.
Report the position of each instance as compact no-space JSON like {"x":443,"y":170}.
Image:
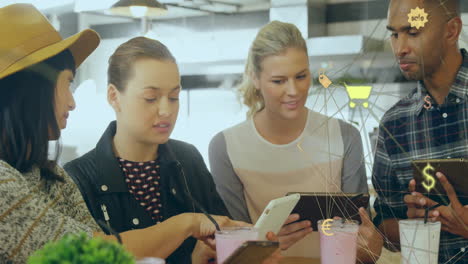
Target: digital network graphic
{"x":364,"y":108}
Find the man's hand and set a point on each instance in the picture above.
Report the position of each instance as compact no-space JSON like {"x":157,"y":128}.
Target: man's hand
{"x":370,"y":241}
{"x":416,"y":203}
{"x":454,"y":218}
{"x":202,"y":254}
{"x":292,"y":232}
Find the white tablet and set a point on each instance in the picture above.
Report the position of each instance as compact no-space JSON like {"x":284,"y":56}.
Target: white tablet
{"x":275,"y":214}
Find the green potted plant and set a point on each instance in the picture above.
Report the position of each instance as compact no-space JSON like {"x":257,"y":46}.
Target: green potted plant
{"x":74,"y":249}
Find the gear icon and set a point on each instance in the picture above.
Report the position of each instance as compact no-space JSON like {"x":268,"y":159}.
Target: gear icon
{"x":417,"y":18}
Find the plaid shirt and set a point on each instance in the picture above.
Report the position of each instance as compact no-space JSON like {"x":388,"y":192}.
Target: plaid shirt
{"x":409,"y":131}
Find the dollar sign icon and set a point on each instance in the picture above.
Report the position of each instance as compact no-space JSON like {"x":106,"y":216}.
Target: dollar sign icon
{"x":427,"y":102}
{"x":429,"y":181}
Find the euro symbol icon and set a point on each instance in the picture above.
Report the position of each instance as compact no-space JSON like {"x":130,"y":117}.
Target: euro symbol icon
{"x":326,"y":226}
{"x":429,"y":181}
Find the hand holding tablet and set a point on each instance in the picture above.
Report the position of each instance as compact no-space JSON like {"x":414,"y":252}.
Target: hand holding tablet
{"x":456,"y":171}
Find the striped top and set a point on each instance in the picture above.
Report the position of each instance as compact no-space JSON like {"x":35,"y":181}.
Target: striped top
{"x":34,"y":211}
{"x":249,"y":171}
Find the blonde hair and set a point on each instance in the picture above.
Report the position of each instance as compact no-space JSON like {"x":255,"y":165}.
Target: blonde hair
{"x":273,"y":39}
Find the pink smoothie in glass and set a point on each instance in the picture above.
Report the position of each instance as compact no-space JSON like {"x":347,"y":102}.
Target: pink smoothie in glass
{"x":229,"y":239}
{"x":339,"y":243}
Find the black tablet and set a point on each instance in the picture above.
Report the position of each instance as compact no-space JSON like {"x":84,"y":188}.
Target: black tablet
{"x":456,"y":171}
{"x":314,"y":206}
{"x":252,"y":252}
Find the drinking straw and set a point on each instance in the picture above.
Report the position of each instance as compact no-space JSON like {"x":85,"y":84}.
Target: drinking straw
{"x":426,"y":212}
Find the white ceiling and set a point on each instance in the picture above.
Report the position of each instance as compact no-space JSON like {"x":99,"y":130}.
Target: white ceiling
{"x":191,"y":6}
{"x":187,"y":7}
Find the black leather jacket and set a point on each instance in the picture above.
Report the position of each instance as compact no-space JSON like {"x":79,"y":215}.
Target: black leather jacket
{"x":183,"y":175}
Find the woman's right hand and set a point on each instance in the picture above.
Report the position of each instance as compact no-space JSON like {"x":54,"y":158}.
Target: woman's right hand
{"x":293,"y":231}
{"x":203,"y":228}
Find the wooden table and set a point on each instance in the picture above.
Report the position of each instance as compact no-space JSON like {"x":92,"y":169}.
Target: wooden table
{"x":299,"y":260}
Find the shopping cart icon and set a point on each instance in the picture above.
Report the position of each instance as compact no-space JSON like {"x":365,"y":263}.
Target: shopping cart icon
{"x":358,"y":95}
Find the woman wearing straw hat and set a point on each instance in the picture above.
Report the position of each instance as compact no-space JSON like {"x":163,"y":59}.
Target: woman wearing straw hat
{"x":38,"y":200}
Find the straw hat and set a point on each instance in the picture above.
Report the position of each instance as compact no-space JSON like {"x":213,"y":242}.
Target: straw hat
{"x":27,"y":37}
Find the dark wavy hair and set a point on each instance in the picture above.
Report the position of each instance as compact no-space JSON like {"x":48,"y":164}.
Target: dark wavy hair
{"x":27,"y":115}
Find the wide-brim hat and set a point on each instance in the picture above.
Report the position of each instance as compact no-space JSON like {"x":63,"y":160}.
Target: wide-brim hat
{"x":27,"y":37}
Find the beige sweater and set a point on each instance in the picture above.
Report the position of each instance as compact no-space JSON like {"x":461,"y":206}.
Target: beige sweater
{"x":250,"y":171}
{"x":34,"y":212}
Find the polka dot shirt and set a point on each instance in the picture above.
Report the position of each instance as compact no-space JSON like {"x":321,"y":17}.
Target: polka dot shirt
{"x":143,"y":181}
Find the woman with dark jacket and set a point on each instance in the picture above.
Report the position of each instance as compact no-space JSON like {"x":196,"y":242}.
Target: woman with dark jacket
{"x":136,"y":176}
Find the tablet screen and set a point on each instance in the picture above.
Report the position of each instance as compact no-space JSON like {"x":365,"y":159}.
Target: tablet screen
{"x":315,"y":206}
{"x":428,"y":184}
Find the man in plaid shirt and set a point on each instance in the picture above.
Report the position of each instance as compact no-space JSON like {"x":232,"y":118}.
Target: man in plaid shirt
{"x":431,"y":122}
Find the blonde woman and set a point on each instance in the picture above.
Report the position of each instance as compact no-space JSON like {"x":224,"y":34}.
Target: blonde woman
{"x":283,"y":146}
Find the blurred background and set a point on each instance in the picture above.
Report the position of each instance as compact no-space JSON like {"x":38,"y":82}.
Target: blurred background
{"x":347,"y":42}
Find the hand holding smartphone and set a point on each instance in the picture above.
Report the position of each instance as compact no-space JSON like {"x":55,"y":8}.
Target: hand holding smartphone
{"x":275,"y":214}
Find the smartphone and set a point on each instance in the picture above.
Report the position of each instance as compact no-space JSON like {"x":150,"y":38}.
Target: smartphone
{"x":456,"y":171}
{"x":252,"y":252}
{"x":314,"y":206}
{"x":275,"y":214}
